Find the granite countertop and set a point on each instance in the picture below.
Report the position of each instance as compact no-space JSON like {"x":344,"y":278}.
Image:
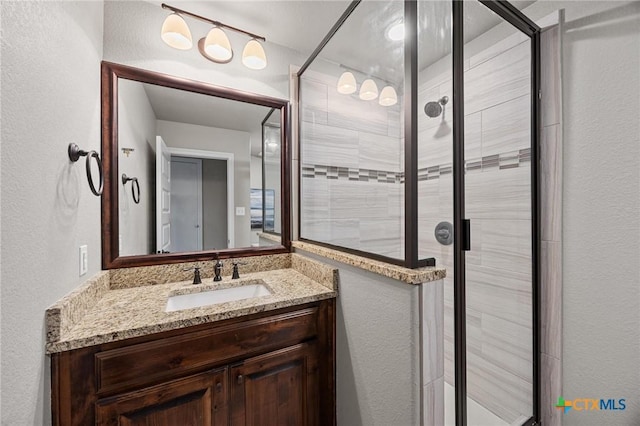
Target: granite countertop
{"x":406,"y":275}
{"x":108,"y":309}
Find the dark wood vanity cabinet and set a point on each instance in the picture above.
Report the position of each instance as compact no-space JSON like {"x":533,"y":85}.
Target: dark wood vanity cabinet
{"x":272,"y":368}
{"x":198,"y":400}
{"x":276,"y":389}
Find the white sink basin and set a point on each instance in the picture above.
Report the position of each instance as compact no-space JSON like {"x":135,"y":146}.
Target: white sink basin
{"x":214,"y":297}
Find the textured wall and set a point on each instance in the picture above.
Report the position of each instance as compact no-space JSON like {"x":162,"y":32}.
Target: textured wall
{"x":378,"y":352}
{"x":601,"y":75}
{"x":51,"y":54}
{"x":132,"y":37}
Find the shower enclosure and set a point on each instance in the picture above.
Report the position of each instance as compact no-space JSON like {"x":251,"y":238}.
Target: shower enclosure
{"x":418,"y":146}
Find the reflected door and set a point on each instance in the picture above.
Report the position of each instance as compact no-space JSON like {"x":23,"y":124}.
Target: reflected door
{"x":163,"y":197}
{"x":186,"y":204}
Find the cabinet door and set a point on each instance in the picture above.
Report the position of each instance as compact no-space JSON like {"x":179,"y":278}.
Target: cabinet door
{"x":199,"y":400}
{"x":276,"y":389}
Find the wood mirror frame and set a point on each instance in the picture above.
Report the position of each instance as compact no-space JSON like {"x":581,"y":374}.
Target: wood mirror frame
{"x":110,"y":73}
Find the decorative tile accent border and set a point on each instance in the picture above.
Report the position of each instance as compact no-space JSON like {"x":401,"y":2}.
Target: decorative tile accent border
{"x":348,"y":173}
{"x":508,"y":160}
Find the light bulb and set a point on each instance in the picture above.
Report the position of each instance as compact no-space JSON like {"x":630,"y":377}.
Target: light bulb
{"x":217,"y":46}
{"x":388,"y":96}
{"x":368,"y":90}
{"x":253,"y":55}
{"x":175,"y":32}
{"x":396,"y":32}
{"x":346,"y":83}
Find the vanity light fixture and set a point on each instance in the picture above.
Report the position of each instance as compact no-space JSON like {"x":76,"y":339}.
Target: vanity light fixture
{"x":175,"y":32}
{"x":253,"y":55}
{"x":388,"y":96}
{"x":347,"y":83}
{"x":215,"y":46}
{"x":368,"y":90}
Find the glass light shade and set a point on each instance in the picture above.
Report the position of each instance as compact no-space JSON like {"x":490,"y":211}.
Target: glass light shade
{"x":253,"y":55}
{"x":388,"y":96}
{"x":217,"y":45}
{"x":396,"y":32}
{"x":347,"y":83}
{"x":175,"y":32}
{"x":368,"y":90}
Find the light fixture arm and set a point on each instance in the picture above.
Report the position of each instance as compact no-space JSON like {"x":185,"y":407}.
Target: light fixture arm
{"x":211,"y":21}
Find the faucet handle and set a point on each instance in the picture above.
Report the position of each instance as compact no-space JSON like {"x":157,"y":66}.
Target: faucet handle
{"x":236,"y":274}
{"x":196,"y":274}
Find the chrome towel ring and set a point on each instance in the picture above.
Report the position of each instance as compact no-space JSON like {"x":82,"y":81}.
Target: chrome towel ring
{"x":75,"y":153}
{"x":125,"y":179}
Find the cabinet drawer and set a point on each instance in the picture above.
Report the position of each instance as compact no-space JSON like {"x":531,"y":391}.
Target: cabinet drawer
{"x":151,"y":362}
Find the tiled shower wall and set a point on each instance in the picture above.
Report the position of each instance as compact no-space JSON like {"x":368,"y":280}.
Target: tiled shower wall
{"x":498,"y":168}
{"x":352,"y":185}
{"x":350,"y":162}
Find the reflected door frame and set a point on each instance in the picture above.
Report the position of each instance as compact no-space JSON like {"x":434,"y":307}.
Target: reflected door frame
{"x":214,"y":155}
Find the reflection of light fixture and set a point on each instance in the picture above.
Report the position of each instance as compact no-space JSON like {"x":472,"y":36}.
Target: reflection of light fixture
{"x":368,"y":90}
{"x":388,"y":96}
{"x":272,"y":146}
{"x":253,"y":55}
{"x":216,"y":46}
{"x":175,"y":32}
{"x":346,"y":83}
{"x":396,"y":32}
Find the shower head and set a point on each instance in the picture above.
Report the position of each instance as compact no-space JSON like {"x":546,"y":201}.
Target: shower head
{"x":434,"y":108}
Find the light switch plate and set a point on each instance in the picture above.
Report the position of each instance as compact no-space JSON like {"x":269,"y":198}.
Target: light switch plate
{"x":239,"y":211}
{"x":84,"y":260}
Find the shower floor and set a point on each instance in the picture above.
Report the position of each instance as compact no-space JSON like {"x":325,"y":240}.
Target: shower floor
{"x":477,"y":415}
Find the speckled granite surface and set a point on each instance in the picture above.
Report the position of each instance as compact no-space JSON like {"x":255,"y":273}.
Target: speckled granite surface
{"x":163,"y":274}
{"x":69,"y":310}
{"x":96,"y":313}
{"x":409,"y":276}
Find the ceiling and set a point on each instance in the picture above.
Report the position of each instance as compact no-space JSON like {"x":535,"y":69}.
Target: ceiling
{"x":204,"y":110}
{"x":362,"y":42}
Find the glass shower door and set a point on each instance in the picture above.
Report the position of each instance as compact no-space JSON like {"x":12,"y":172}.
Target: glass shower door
{"x":497,"y":207}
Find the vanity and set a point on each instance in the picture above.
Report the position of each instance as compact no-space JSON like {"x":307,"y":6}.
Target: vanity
{"x":119,"y":357}
{"x":153,"y":340}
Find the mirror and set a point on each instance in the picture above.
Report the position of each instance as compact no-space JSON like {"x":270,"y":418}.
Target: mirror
{"x":191,"y":170}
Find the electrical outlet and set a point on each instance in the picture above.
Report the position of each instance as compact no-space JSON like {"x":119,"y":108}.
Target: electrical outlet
{"x":84,"y":260}
{"x":239,"y":211}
